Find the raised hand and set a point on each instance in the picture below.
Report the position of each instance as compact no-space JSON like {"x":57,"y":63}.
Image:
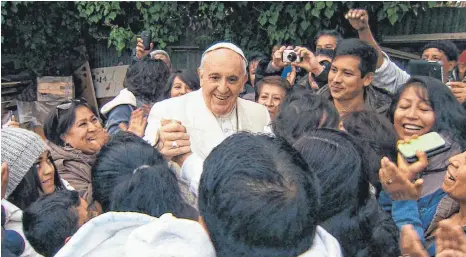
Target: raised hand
{"x":309,"y":61}
{"x":358,"y":18}
{"x":140,"y":52}
{"x":459,"y":90}
{"x":396,"y":179}
{"x":137,"y":123}
{"x":450,"y":240}
{"x":277,"y":60}
{"x":410,"y":244}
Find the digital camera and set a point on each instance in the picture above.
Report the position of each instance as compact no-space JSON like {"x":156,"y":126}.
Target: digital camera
{"x":290,"y":56}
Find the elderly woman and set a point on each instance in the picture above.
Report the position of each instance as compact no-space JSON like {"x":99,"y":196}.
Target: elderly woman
{"x":180,"y":83}
{"x":75,"y":135}
{"x":271,"y":91}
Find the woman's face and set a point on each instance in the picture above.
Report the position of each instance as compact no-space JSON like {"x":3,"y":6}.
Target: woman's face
{"x":454,"y":182}
{"x":271,"y":96}
{"x":413,"y":114}
{"x":179,"y":88}
{"x":86,"y":134}
{"x":46,"y":172}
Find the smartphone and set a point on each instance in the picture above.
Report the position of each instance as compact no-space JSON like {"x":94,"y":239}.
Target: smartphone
{"x":431,"y":143}
{"x":146,"y":38}
{"x":426,"y":68}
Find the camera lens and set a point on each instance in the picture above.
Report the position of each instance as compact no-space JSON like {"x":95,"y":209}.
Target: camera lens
{"x":292,"y":56}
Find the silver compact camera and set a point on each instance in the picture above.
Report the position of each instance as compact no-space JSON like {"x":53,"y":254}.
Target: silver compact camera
{"x":290,"y":56}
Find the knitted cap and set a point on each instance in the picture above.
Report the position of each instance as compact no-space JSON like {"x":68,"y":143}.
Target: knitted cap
{"x":20,"y":149}
{"x":159,"y":52}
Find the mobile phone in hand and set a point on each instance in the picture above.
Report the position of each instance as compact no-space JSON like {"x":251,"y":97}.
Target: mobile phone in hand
{"x":431,"y":143}
{"x":146,"y":38}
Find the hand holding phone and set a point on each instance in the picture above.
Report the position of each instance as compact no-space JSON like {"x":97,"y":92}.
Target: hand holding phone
{"x":426,"y":68}
{"x":146,"y":38}
{"x":431,"y":143}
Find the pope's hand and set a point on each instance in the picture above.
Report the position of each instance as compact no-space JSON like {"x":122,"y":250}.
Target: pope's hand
{"x":173,"y":139}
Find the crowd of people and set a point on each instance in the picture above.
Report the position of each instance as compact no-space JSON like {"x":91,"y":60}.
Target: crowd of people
{"x":248,"y":157}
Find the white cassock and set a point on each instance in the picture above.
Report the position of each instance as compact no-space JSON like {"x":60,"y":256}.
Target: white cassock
{"x":206,"y":131}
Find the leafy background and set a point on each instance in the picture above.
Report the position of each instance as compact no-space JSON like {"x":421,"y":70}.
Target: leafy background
{"x":51,"y":38}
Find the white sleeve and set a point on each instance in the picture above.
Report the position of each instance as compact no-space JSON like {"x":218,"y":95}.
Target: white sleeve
{"x":191,"y":172}
{"x":389,"y":76}
{"x":153,"y":124}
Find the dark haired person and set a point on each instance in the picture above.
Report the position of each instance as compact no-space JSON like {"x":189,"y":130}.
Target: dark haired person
{"x":301,"y":112}
{"x":421,"y":106}
{"x":279,"y":208}
{"x":31,"y":173}
{"x":348,"y":211}
{"x":75,"y":135}
{"x":390,"y":77}
{"x":50,"y":221}
{"x":119,"y":162}
{"x":377,"y":136}
{"x":350,"y":77}
{"x":249,"y":91}
{"x":144,"y":85}
{"x":271,"y":91}
{"x":180,"y":83}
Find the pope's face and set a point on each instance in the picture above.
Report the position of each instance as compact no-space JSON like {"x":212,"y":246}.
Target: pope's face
{"x":222,"y":78}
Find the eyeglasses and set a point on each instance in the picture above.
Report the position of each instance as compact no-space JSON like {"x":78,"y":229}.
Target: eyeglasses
{"x":67,"y":105}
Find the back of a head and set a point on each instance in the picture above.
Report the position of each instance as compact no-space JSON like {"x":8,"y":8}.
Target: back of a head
{"x":147,"y":79}
{"x":301,"y":112}
{"x":366,"y":53}
{"x":337,"y":161}
{"x":116,"y":162}
{"x":264,"y":203}
{"x":348,"y":212}
{"x":377,"y":136}
{"x":50,"y":220}
{"x":152,"y":191}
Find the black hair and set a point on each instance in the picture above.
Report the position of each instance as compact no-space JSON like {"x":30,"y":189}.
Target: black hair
{"x":348,"y":211}
{"x":50,"y":220}
{"x":60,"y":121}
{"x":190,"y":78}
{"x":264,"y":203}
{"x":450,"y":116}
{"x":256,"y":57}
{"x":302,"y":111}
{"x":272,"y":80}
{"x":117,"y":160}
{"x":377,"y":136}
{"x":30,"y":187}
{"x":146,"y":79}
{"x":366,"y":53}
{"x":329,"y":32}
{"x":153,"y":191}
{"x":446,"y":46}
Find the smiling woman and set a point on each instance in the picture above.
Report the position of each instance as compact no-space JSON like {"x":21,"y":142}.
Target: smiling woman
{"x":424,"y":105}
{"x":75,"y":136}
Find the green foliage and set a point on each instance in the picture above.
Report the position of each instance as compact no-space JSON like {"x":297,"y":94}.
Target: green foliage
{"x":41,"y":34}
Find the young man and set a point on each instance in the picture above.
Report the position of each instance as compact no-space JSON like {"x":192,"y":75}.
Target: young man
{"x":51,"y":221}
{"x":390,"y":77}
{"x":350,"y":76}
{"x":262,"y":203}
